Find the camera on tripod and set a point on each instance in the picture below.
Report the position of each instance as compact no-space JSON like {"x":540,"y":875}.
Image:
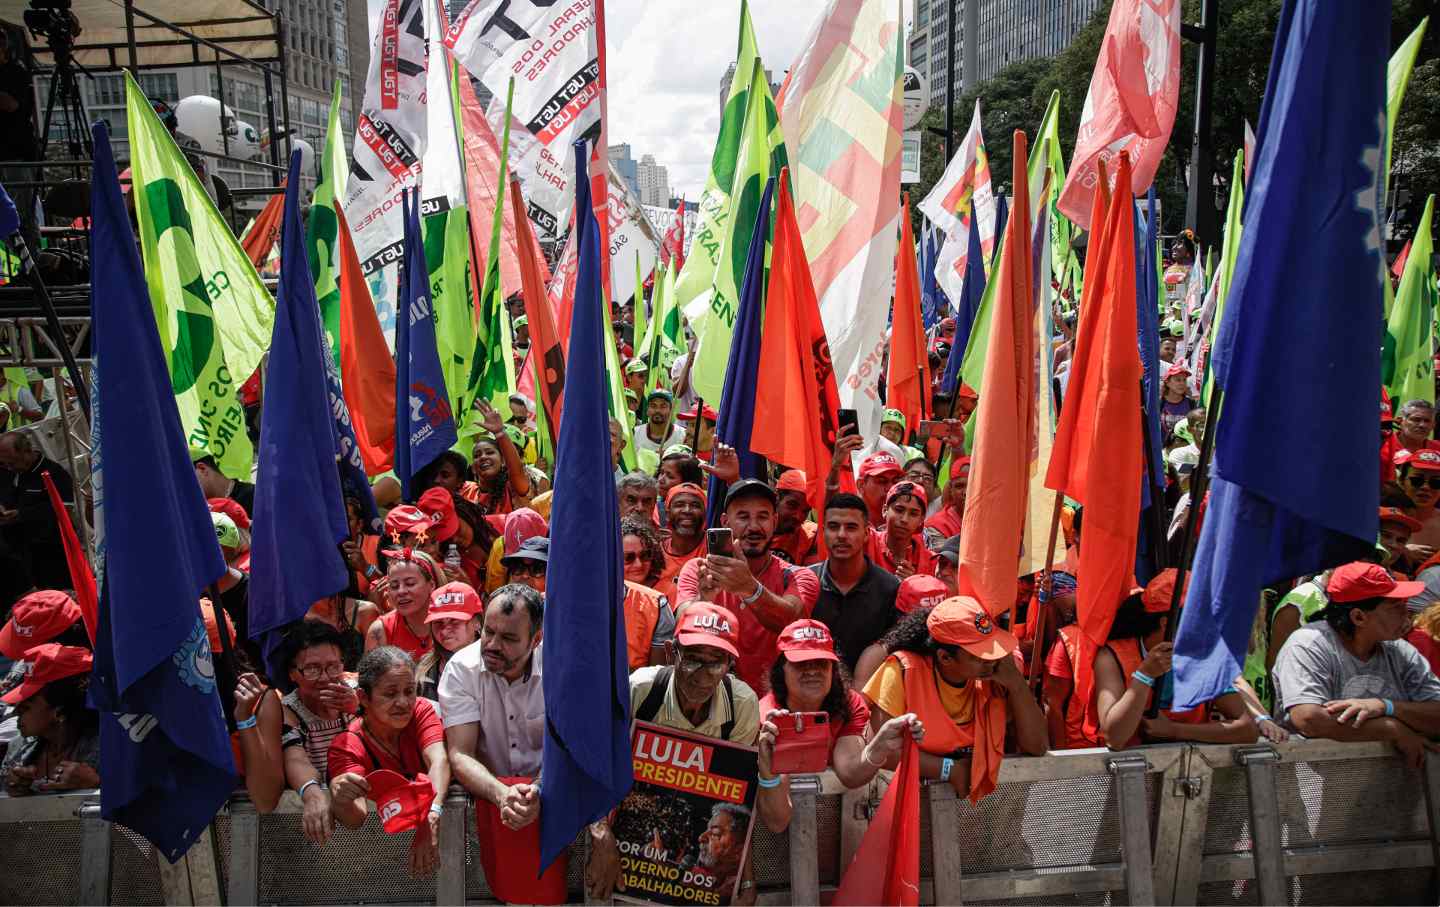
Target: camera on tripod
{"x":52,"y":20}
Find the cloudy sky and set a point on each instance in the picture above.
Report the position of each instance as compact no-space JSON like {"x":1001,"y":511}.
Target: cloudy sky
{"x":665,"y":59}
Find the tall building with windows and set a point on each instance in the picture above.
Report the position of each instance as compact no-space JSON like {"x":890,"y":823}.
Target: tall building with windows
{"x":654,"y":181}
{"x":1006,"y":31}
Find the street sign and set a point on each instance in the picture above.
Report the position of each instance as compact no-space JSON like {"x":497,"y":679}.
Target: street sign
{"x":910,"y":157}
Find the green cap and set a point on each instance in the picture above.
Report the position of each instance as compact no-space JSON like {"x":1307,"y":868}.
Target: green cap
{"x":892,"y":415}
{"x":520,"y":322}
{"x":683,"y":450}
{"x":226,"y":532}
{"x":636,"y":367}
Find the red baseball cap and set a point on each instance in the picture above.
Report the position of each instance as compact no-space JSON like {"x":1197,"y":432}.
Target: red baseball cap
{"x":1176,"y":369}
{"x":706,"y":624}
{"x":1359,"y":580}
{"x":454,"y":601}
{"x":913,"y":489}
{"x":959,"y":466}
{"x":962,"y":621}
{"x":1396,"y":515}
{"x":791,"y":480}
{"x":231,"y":508}
{"x":439,"y":507}
{"x":919,"y":590}
{"x":37,"y":618}
{"x":807,"y":640}
{"x":1426,"y":459}
{"x":45,"y":664}
{"x":880,"y":464}
{"x":406,"y":518}
{"x":706,"y":411}
{"x":401,"y":804}
{"x":1159,"y":591}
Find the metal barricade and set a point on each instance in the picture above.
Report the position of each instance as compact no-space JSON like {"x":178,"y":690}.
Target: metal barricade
{"x":1300,"y":823}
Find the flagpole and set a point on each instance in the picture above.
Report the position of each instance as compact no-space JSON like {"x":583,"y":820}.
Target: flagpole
{"x":1049,"y":582}
{"x":1199,"y":485}
{"x":227,"y":651}
{"x":1157,"y":522}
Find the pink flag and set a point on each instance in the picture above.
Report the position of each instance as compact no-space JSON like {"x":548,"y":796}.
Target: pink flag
{"x":1249,"y":150}
{"x":1131,"y":103}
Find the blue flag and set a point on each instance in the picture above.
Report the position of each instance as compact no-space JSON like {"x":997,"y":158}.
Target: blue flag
{"x":299,"y":513}
{"x":1314,"y":197}
{"x":933,"y":305}
{"x":737,"y":400}
{"x":586,"y":761}
{"x":1147,"y":302}
{"x":164,"y":748}
{"x":972,"y":290}
{"x":424,"y":424}
{"x":9,"y":217}
{"x":1002,"y":214}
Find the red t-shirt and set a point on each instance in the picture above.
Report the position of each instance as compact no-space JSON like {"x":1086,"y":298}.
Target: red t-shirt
{"x":757,"y":642}
{"x":855,"y":727}
{"x":399,"y":634}
{"x":354,"y":750}
{"x":1389,"y":448}
{"x":946,"y":522}
{"x":919,"y":557}
{"x":1427,"y":646}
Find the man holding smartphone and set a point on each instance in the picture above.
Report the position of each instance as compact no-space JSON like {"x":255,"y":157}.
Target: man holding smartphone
{"x":765,"y":593}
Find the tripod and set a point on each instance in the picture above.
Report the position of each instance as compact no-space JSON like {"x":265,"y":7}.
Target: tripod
{"x":65,"y":89}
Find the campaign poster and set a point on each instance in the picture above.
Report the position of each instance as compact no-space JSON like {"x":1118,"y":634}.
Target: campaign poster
{"x":684,"y":830}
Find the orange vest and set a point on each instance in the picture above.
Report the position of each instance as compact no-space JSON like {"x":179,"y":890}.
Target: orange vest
{"x":985,"y":734}
{"x":1127,"y":652}
{"x":642,"y":612}
{"x":1078,"y":731}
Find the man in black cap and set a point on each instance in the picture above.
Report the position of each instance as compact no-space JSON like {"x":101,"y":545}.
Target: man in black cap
{"x":527,"y":565}
{"x":763,"y":591}
{"x":947,"y":562}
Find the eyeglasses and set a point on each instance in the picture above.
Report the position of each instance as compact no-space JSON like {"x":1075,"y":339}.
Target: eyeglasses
{"x":315,"y":672}
{"x":1417,"y":480}
{"x":634,"y":556}
{"x":694,"y":666}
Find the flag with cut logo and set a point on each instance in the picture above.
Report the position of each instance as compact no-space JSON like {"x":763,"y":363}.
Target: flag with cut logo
{"x":213,"y":313}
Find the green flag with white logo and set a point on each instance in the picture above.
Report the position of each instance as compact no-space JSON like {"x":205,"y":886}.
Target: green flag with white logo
{"x":213,"y":314}
{"x":322,"y":233}
{"x":1407,"y":364}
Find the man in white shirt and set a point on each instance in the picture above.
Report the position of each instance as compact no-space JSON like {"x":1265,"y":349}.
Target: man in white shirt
{"x":659,"y":429}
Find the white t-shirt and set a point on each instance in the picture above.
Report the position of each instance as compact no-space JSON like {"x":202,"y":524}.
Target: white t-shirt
{"x":511,"y":715}
{"x":642,"y":437}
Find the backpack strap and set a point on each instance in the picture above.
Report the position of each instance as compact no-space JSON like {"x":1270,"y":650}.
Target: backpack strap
{"x":650,"y":705}
{"x":729,"y":724}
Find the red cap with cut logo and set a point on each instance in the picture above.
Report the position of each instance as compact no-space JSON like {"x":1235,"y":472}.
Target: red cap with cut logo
{"x":37,"y":618}
{"x":46,"y":664}
{"x":454,"y":601}
{"x":401,"y":804}
{"x":920,"y":590}
{"x":706,"y":624}
{"x":880,"y":464}
{"x":807,"y":640}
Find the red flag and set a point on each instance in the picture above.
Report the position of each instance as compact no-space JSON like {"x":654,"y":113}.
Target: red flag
{"x":907,"y":386}
{"x":1398,"y":269}
{"x":367,"y":371}
{"x":545,"y":351}
{"x":886,"y":867}
{"x":797,"y":405}
{"x":1131,"y":103}
{"x":80,"y":576}
{"x":672,"y":248}
{"x":562,"y":291}
{"x":1005,"y":420}
{"x":1098,"y":446}
{"x":263,"y":234}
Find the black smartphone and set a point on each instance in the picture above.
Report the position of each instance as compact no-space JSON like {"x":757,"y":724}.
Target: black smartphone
{"x":851,"y":418}
{"x":720,"y":541}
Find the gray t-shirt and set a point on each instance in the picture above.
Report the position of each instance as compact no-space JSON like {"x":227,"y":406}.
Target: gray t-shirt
{"x":1315,"y":667}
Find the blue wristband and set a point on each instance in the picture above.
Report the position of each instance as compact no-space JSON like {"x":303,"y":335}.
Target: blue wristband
{"x":768,"y":783}
{"x":946,"y":766}
{"x":1389,"y":706}
{"x":1142,"y":677}
{"x":247,"y":723}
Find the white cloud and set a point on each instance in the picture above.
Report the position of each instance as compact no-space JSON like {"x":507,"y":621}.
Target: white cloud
{"x":664,"y":62}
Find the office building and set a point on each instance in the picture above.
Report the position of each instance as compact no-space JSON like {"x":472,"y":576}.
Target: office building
{"x":654,"y":181}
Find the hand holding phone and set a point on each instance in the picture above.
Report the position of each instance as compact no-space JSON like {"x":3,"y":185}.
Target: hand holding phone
{"x":721,"y":541}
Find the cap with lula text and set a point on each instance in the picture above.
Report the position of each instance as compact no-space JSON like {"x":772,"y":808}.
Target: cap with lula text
{"x":47,"y":664}
{"x":454,"y":601}
{"x":880,"y":464}
{"x":962,"y":621}
{"x":35,"y":619}
{"x":807,"y":640}
{"x":706,"y":624}
{"x":1359,"y":580}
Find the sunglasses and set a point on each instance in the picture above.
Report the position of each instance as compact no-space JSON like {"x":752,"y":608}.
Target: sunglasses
{"x":632,"y":557}
{"x":1417,"y":480}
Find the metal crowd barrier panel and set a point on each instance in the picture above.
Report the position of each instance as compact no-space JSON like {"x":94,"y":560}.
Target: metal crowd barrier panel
{"x":1307,"y":822}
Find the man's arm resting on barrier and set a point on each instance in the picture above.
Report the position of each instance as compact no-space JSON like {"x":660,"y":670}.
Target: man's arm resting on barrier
{"x":519,"y":805}
{"x":1422,"y":717}
{"x":1312,"y":720}
{"x":1236,"y":727}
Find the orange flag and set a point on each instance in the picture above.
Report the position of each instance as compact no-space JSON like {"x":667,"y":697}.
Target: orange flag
{"x":797,"y":405}
{"x":1097,"y":458}
{"x":907,"y":386}
{"x":262,"y":235}
{"x":482,"y":166}
{"x":545,"y":352}
{"x":81,"y":576}
{"x":1005,"y":421}
{"x":886,"y":867}
{"x":367,"y":371}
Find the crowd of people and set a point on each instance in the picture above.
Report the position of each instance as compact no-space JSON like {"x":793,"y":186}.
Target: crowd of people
{"x":429,"y":667}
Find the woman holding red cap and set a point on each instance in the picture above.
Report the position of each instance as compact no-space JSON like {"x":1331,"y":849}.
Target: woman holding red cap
{"x":812,"y":678}
{"x":399,"y":731}
{"x":412,"y":578}
{"x":1134,"y":666}
{"x":955,"y":670}
{"x":454,"y":622}
{"x":60,"y":745}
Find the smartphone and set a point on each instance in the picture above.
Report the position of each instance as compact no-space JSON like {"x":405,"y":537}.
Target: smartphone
{"x":802,"y":745}
{"x":720,"y":541}
{"x":851,"y":418}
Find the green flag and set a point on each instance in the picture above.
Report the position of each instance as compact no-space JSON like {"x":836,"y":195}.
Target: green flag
{"x":1408,"y":362}
{"x":665,"y":339}
{"x":639,"y":330}
{"x":1048,"y":156}
{"x":615,"y":380}
{"x":492,"y":366}
{"x":213,"y":314}
{"x":1397,"y":78}
{"x":1229,"y":251}
{"x":712,"y":314}
{"x":322,"y":233}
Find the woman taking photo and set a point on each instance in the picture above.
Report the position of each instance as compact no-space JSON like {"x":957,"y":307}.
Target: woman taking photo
{"x":398,"y":731}
{"x":812,"y":678}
